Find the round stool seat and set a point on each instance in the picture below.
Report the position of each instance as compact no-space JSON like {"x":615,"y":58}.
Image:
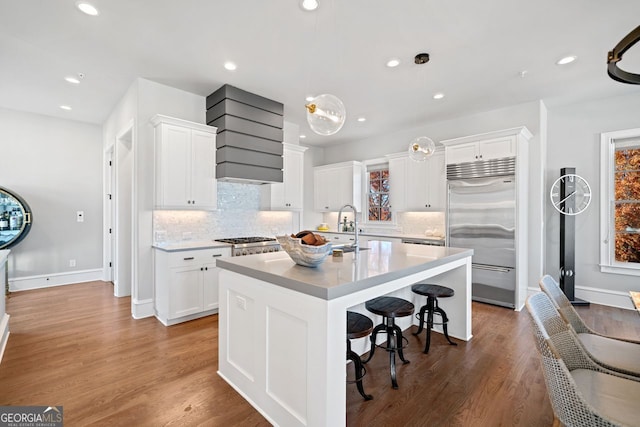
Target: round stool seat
{"x":429,"y":290}
{"x":358,"y":325}
{"x":390,"y":307}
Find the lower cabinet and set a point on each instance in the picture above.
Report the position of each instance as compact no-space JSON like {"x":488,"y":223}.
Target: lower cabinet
{"x":186,"y":284}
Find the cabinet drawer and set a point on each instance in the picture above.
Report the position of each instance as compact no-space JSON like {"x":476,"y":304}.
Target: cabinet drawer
{"x":193,"y":257}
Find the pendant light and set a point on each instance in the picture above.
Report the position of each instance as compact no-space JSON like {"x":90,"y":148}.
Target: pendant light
{"x":615,"y":55}
{"x":326,"y":114}
{"x":421,"y":147}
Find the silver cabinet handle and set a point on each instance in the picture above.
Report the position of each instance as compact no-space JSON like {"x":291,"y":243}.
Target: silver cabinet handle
{"x":188,"y":258}
{"x":217,"y":255}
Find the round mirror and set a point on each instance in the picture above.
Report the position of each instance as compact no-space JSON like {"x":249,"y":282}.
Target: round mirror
{"x":15,"y":218}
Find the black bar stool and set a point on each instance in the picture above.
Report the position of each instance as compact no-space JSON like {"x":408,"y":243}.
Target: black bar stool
{"x":432,"y":292}
{"x":358,"y":326}
{"x":390,"y":308}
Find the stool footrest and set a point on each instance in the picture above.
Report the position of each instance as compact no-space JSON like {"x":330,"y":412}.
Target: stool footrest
{"x":405,"y":344}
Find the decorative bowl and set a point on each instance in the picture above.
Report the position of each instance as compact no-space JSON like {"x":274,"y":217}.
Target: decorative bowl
{"x":305,"y":255}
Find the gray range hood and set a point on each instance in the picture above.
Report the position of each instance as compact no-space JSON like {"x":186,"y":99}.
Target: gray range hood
{"x":249,"y":140}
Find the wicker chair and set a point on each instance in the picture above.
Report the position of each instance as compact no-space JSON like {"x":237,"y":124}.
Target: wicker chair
{"x":618,"y":354}
{"x":582,"y":393}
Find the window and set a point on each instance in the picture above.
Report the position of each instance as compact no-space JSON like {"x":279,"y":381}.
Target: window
{"x":620,"y":202}
{"x":378,"y":195}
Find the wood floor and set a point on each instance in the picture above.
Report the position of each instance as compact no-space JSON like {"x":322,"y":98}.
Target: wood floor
{"x":78,"y":346}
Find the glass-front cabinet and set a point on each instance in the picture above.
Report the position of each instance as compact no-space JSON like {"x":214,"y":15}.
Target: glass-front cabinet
{"x":15,"y":218}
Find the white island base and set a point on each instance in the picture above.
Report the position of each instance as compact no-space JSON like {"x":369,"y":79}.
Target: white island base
{"x":282,"y":327}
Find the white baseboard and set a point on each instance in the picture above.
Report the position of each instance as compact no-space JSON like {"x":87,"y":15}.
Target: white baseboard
{"x":142,"y":308}
{"x":599,"y":296}
{"x":56,"y":279}
{"x":4,"y":334}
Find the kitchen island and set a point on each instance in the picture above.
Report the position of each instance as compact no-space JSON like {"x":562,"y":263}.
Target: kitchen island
{"x":282,"y":327}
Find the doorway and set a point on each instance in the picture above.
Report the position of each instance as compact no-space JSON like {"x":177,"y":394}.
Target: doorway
{"x":122,"y":212}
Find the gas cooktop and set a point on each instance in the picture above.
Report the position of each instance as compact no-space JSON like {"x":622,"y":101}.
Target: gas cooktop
{"x":251,"y":245}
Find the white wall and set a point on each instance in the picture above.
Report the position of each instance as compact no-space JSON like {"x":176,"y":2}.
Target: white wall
{"x":144,"y":100}
{"x":574,"y":141}
{"x":56,"y":166}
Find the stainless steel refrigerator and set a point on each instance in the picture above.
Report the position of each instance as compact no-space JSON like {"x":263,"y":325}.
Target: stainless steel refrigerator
{"x":481,"y":215}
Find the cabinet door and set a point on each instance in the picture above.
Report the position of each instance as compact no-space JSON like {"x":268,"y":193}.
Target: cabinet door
{"x":175,"y":161}
{"x":398,"y":183}
{"x":436,"y":182}
{"x":293,"y":164}
{"x":210,"y":286}
{"x":417,"y":189}
{"x":498,"y":148}
{"x":203,"y":164}
{"x":462,"y":153}
{"x":322,"y":181}
{"x":185,"y":291}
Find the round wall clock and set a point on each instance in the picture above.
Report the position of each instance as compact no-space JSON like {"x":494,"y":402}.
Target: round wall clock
{"x":570,"y":194}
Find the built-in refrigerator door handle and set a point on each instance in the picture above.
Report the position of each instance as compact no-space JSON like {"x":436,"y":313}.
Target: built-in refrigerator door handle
{"x":492,"y":268}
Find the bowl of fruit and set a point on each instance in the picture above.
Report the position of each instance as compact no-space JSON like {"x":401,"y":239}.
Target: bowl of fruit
{"x":305,"y":248}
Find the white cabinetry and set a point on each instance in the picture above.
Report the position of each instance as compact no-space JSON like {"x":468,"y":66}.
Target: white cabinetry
{"x":288,"y":195}
{"x":185,"y":155}
{"x":337,"y":185}
{"x":483,"y":149}
{"x":186,"y":284}
{"x":417,"y":186}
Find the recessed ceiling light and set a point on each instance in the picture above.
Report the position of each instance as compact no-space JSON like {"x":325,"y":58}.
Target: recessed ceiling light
{"x":523,"y":73}
{"x":72,"y":79}
{"x":362,"y":119}
{"x":393,"y":63}
{"x":87,"y":8}
{"x":309,"y":98}
{"x":303,"y":136}
{"x":65,"y":107}
{"x":230,"y":66}
{"x":309,"y":4}
{"x":438,"y":95}
{"x":566,"y":60}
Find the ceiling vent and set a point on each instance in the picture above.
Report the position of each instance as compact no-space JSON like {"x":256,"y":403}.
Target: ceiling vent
{"x":249,"y":140}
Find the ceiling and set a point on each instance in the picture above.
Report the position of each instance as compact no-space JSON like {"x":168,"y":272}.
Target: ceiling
{"x":478,"y":51}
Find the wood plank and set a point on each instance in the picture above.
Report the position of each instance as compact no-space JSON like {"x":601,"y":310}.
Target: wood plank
{"x":79,"y":347}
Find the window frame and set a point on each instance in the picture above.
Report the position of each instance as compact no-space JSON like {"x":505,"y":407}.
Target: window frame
{"x":608,"y":263}
{"x":371,"y":166}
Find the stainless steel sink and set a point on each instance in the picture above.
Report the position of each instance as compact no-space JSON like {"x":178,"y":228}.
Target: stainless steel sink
{"x":346,"y":249}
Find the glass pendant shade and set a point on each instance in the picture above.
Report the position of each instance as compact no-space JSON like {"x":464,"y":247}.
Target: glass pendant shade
{"x":326,"y":114}
{"x":421,"y":148}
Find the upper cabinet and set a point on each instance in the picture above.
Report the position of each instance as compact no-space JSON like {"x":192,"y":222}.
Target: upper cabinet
{"x":337,"y":185}
{"x":494,"y":145}
{"x":185,"y":155}
{"x":288,"y":195}
{"x":417,"y":186}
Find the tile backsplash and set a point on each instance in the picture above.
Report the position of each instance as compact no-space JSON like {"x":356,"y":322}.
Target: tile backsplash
{"x":238,"y":215}
{"x":418,"y":223}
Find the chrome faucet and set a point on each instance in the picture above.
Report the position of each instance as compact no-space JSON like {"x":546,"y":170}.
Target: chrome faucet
{"x":355,"y":246}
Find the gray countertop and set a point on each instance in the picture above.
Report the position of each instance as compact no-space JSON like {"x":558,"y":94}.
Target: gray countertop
{"x":336,"y":277}
{"x":381,"y":234}
{"x":188,"y":245}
